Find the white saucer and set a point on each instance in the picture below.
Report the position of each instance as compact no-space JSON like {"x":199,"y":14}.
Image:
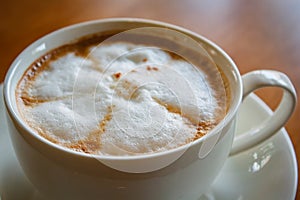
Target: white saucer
{"x":268,"y":171}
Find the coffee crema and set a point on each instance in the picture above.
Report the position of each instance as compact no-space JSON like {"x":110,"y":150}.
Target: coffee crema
{"x":120,"y":97}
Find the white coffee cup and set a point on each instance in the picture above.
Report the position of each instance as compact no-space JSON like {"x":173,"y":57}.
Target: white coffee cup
{"x":182,"y":173}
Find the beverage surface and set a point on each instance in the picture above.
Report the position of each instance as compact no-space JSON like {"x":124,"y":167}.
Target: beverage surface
{"x":119,"y":98}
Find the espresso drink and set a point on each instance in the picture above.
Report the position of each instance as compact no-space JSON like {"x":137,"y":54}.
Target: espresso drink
{"x":120,"y":97}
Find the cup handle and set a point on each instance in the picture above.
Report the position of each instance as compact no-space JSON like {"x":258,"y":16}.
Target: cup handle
{"x":266,"y":78}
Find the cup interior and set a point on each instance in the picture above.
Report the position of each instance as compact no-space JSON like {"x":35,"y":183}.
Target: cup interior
{"x":72,"y":33}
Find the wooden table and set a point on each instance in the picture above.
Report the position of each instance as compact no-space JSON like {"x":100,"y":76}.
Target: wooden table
{"x":256,"y":34}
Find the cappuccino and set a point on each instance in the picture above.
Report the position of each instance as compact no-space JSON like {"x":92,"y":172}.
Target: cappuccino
{"x":120,"y":97}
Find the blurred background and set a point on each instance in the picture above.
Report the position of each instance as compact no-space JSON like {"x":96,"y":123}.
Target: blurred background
{"x":256,"y":34}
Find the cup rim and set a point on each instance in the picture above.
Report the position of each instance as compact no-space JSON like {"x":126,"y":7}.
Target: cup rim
{"x":229,"y":115}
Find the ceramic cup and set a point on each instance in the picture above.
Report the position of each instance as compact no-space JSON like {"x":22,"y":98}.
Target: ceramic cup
{"x":182,"y":173}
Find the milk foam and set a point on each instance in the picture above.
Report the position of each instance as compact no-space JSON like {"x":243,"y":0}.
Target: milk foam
{"x":122,"y":99}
